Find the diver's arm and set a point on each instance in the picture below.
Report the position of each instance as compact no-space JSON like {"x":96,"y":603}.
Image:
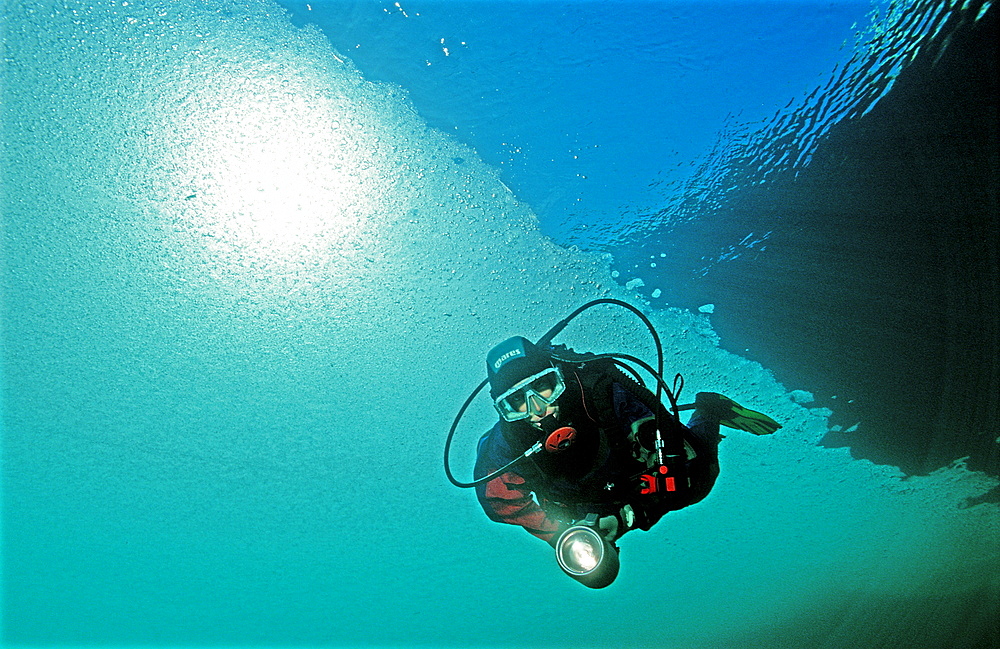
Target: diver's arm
{"x":639,"y":427}
{"x":507,"y":499}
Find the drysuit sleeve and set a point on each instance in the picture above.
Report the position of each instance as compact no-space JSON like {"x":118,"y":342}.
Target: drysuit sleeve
{"x":508,"y":497}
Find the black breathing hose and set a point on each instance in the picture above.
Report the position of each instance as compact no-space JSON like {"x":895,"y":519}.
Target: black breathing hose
{"x":451,"y":434}
{"x":545,"y":341}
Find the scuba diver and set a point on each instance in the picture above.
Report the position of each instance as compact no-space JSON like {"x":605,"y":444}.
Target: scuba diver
{"x":583,"y":452}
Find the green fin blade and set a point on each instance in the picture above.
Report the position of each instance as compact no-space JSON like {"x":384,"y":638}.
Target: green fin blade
{"x":732,"y":415}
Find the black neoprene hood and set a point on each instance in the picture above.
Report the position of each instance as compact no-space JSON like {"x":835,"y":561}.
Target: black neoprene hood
{"x":511,"y":361}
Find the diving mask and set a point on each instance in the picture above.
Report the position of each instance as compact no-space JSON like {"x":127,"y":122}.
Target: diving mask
{"x":531,"y":396}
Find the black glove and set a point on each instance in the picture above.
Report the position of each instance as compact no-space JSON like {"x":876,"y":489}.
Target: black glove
{"x":614,"y":526}
{"x":644,"y":444}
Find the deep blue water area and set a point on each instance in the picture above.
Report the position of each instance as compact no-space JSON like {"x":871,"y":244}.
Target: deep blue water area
{"x":879,"y":283}
{"x":589,"y":108}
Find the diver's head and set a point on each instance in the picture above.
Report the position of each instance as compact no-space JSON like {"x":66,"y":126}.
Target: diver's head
{"x":524,"y":383}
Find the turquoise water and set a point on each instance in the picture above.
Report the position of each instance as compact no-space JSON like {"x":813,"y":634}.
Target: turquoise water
{"x":248,"y":282}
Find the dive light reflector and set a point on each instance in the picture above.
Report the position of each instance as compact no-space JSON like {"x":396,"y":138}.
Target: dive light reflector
{"x":586,"y":556}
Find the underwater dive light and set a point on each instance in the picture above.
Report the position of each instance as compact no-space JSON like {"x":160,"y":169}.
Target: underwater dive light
{"x":587,"y":557}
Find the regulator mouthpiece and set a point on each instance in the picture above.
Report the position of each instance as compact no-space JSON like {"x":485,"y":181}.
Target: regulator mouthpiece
{"x":556,"y":438}
{"x":560,"y":439}
{"x":587,"y":557}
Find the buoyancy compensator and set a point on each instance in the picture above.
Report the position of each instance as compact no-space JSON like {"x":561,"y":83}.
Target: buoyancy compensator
{"x":667,"y":453}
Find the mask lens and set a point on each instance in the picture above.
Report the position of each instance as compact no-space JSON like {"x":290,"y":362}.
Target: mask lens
{"x":532,"y":396}
{"x":537,"y":404}
{"x":517,"y":401}
{"x":543,"y":383}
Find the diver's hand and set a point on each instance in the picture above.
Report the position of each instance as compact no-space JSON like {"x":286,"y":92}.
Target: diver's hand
{"x":613,"y":527}
{"x":609,"y":527}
